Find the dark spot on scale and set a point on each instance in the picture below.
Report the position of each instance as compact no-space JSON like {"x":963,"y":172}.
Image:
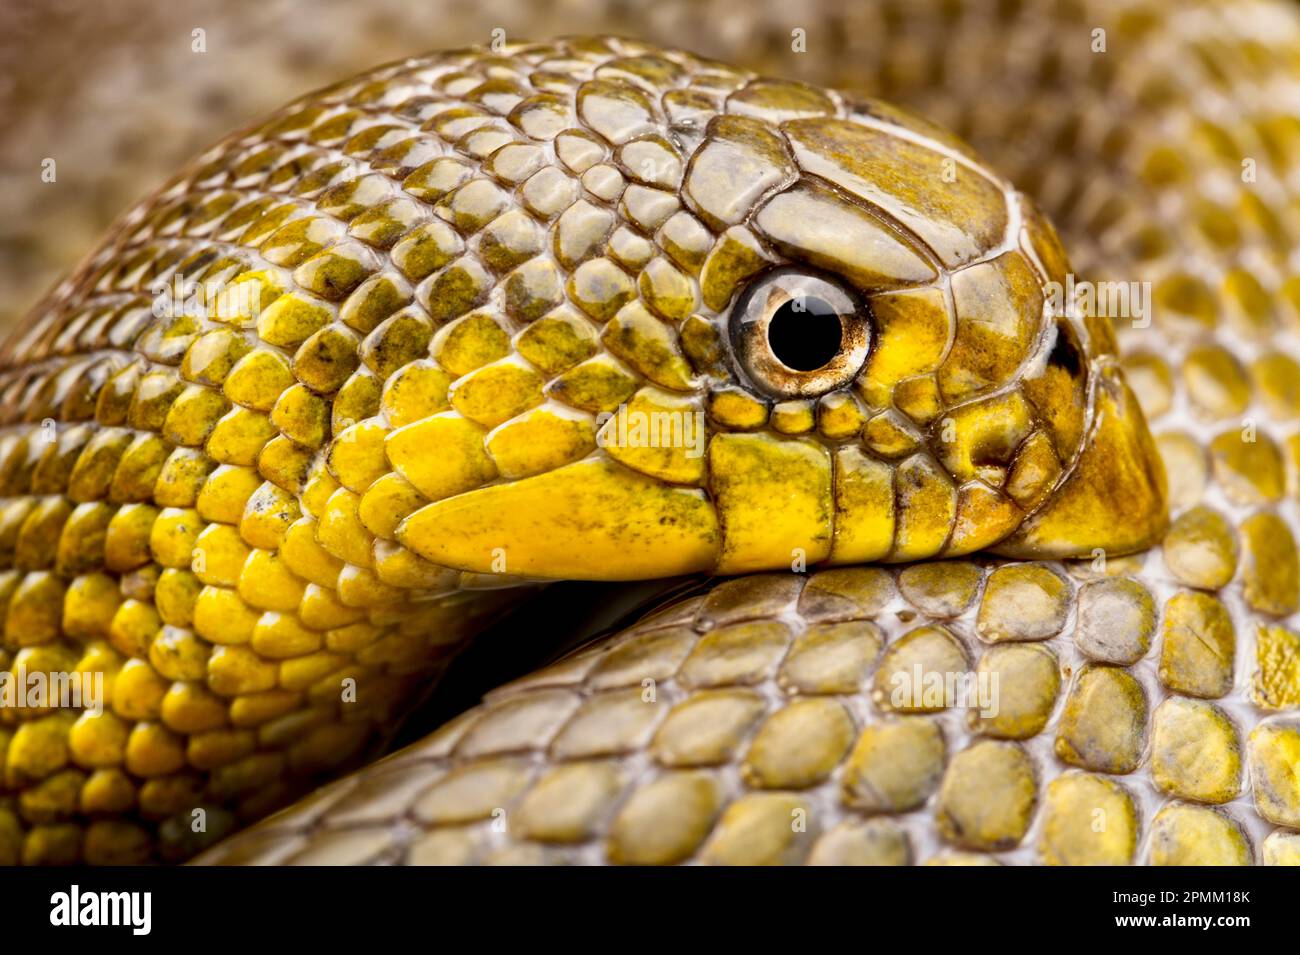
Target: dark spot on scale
{"x":204,"y":260}
{"x":1065,"y":353}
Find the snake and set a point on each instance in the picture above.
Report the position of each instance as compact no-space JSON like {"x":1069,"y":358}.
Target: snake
{"x":991,"y":560}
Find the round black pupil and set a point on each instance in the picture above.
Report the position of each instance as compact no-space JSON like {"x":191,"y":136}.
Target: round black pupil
{"x":804,"y":333}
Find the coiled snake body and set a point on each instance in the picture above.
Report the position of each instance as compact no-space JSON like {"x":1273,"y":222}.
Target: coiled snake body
{"x":338,"y":395}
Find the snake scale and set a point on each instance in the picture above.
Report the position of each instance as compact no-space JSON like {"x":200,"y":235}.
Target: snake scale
{"x":344,"y":391}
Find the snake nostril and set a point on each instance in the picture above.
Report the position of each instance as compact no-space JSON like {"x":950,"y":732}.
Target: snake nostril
{"x":805,"y":334}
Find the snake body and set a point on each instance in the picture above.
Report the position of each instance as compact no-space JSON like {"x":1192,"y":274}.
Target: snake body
{"x":270,"y":518}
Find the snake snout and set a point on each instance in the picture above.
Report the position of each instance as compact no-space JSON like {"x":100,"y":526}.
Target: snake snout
{"x":1114,"y":501}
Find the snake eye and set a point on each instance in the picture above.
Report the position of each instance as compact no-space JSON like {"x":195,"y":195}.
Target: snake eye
{"x":798,"y":335}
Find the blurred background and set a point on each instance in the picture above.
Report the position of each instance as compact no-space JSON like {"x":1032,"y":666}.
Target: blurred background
{"x":118,"y":95}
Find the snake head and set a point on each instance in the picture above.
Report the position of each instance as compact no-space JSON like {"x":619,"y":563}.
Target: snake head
{"x":690,"y":320}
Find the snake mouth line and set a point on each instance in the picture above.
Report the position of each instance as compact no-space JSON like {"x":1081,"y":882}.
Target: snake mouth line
{"x":599,"y":520}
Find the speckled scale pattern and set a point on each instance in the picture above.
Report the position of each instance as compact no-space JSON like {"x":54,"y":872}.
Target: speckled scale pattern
{"x":213,"y":430}
{"x":1153,"y":220}
{"x":1161,"y":690}
{"x":759,"y":723}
